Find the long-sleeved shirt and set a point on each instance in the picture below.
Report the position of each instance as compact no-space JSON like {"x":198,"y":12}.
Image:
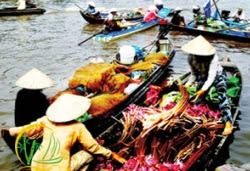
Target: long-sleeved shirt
{"x":213,"y":70}
{"x":58,"y":138}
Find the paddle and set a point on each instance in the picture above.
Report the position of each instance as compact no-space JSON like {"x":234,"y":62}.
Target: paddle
{"x":89,"y":38}
{"x":79,"y":7}
{"x":229,"y":28}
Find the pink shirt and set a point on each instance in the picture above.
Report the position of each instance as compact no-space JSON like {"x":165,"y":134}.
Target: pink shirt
{"x":150,"y":16}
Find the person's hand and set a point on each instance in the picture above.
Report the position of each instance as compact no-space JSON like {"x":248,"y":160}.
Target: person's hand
{"x":1,"y":131}
{"x":228,"y":128}
{"x":197,"y":95}
{"x":118,"y":158}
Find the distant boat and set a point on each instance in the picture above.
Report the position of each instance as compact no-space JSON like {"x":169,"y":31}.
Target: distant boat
{"x":138,"y":26}
{"x":100,"y":19}
{"x":221,"y":29}
{"x":12,"y":11}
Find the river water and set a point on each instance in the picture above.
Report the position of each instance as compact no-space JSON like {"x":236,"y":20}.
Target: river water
{"x":49,"y":43}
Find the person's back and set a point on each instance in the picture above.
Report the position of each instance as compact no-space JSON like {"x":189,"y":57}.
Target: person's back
{"x":177,"y":18}
{"x":31,"y":103}
{"x":29,"y":106}
{"x":151,"y":14}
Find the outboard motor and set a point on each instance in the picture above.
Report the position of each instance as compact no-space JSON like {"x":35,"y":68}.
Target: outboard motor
{"x":225,"y":14}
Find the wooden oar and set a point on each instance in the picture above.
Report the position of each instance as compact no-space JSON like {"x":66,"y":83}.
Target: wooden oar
{"x":89,"y":38}
{"x":79,"y":7}
{"x":229,"y":28}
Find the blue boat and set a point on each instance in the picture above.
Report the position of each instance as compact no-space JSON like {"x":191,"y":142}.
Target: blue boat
{"x":139,"y":26}
{"x":224,"y":29}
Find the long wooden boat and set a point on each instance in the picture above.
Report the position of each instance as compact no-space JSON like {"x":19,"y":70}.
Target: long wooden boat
{"x":102,"y":115}
{"x":232,"y":32}
{"x":140,"y":26}
{"x":100,"y":19}
{"x":12,"y":11}
{"x":154,"y":136}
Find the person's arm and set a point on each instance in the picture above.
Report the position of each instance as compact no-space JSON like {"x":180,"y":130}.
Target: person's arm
{"x":90,"y":144}
{"x":32,"y":128}
{"x":192,"y":78}
{"x":211,"y":73}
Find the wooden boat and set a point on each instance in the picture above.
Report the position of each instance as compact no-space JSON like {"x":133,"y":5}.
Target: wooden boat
{"x":138,"y":27}
{"x":100,"y":19}
{"x":176,"y":141}
{"x":225,"y":29}
{"x":12,"y":11}
{"x":98,"y":123}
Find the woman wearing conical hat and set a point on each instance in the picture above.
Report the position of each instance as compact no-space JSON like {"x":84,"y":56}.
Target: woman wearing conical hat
{"x":60,"y":132}
{"x":31,"y":103}
{"x":206,"y":69}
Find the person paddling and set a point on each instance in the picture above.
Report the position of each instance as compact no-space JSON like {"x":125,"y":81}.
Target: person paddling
{"x":110,"y":22}
{"x":60,"y":124}
{"x":92,"y":10}
{"x":207,"y":71}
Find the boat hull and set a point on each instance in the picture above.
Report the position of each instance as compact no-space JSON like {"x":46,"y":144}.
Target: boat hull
{"x":14,"y":12}
{"x":100,"y":20}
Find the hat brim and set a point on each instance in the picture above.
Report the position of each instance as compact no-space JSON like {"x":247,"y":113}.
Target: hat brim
{"x":199,"y":46}
{"x":68,"y":107}
{"x":35,"y":79}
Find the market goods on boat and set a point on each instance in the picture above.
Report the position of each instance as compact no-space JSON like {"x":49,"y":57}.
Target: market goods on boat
{"x":164,"y":131}
{"x":101,"y":17}
{"x":137,"y":26}
{"x":110,"y":86}
{"x":12,"y":11}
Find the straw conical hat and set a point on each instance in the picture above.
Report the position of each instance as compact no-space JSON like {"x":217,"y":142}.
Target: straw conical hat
{"x":199,"y":46}
{"x":67,"y":108}
{"x":35,"y":79}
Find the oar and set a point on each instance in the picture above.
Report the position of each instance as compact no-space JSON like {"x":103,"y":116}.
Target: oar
{"x":89,"y":38}
{"x":202,"y":13}
{"x":79,"y":7}
{"x":217,"y":9}
{"x":229,"y":28}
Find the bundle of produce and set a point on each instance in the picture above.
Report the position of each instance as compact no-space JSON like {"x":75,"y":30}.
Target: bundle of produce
{"x":172,"y":135}
{"x":157,"y":58}
{"x":103,"y":103}
{"x":92,"y":76}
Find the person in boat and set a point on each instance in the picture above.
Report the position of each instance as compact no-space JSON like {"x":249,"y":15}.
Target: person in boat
{"x":110,"y":22}
{"x":92,"y":10}
{"x":158,"y":4}
{"x":151,"y":14}
{"x":29,"y":4}
{"x":238,"y":15}
{"x":198,"y":16}
{"x":21,"y":5}
{"x":31,"y":103}
{"x":207,"y":71}
{"x":177,"y":18}
{"x":60,"y":122}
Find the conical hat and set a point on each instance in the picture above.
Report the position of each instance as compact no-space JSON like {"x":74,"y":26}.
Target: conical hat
{"x":67,"y":108}
{"x":35,"y":79}
{"x":199,"y":46}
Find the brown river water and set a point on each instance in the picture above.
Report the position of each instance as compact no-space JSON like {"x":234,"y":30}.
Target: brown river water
{"x":49,"y":43}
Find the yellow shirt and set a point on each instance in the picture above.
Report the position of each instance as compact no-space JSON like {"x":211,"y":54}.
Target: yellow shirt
{"x":58,"y":138}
